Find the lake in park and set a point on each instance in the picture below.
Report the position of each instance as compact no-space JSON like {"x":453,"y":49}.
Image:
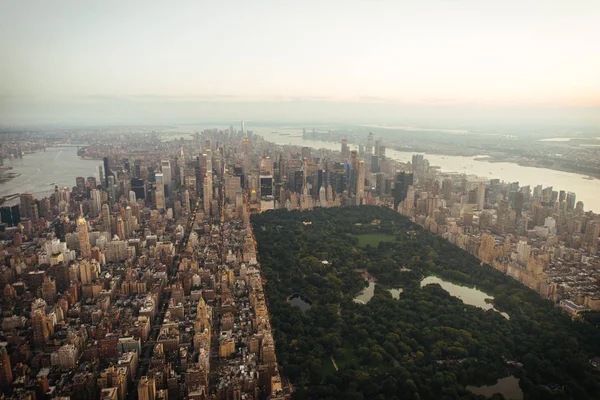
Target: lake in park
{"x":470,"y":296}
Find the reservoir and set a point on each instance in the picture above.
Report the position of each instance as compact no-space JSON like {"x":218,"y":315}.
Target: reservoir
{"x":470,"y":296}
{"x":41,"y":171}
{"x":508,"y":387}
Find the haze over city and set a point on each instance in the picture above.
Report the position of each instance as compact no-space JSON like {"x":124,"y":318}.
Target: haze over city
{"x":295,"y":200}
{"x":434,"y":62}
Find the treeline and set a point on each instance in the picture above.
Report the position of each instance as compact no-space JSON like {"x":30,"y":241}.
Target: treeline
{"x":427,"y":344}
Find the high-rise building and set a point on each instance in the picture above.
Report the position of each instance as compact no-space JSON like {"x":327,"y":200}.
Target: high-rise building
{"x":80,"y":183}
{"x":121,"y":228}
{"x":107,"y":171}
{"x":418,"y":163}
{"x":96,"y":202}
{"x":345,"y":150}
{"x":6,"y":376}
{"x":85,"y":248}
{"x":480,"y":195}
{"x":26,"y":205}
{"x":106,"y":220}
{"x":571,"y":201}
{"x":41,"y":329}
{"x":147,"y":386}
{"x":403,"y":181}
{"x":159,"y":194}
{"x":360,"y":183}
{"x":165,"y":166}
{"x":49,"y":290}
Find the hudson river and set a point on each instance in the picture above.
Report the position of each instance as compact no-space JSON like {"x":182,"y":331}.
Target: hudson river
{"x":41,"y":171}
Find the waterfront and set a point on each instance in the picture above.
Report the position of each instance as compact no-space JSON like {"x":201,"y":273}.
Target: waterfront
{"x":41,"y":171}
{"x":586,"y":190}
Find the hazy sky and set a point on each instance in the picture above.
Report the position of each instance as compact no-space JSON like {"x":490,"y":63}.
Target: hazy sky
{"x":78,"y":59}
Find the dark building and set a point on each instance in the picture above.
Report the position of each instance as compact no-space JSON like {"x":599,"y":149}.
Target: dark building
{"x":518,"y":204}
{"x":6,"y":215}
{"x":16,"y":214}
{"x":374,"y":164}
{"x":107,"y":171}
{"x":403,"y":181}
{"x":266,"y":186}
{"x":80,"y":183}
{"x":138,"y":186}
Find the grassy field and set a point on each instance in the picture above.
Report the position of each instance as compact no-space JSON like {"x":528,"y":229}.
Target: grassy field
{"x":374,"y":239}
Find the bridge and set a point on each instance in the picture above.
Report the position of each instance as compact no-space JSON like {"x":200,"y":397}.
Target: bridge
{"x":67,"y":145}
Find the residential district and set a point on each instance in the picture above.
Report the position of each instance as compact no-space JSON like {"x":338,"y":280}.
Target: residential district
{"x":143,"y":281}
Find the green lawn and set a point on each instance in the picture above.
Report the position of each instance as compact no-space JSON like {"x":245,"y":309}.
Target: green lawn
{"x":374,"y":239}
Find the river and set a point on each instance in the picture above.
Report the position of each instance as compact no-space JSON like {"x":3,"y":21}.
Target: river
{"x":41,"y":171}
{"x":586,"y":190}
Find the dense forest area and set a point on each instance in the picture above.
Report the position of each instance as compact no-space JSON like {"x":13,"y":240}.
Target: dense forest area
{"x":425,"y":345}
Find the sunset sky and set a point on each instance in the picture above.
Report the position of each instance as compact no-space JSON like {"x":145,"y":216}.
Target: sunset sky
{"x":63,"y":59}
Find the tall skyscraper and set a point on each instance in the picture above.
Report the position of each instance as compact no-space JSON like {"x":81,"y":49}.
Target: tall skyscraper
{"x":26,"y":205}
{"x":106,"y":222}
{"x":480,"y":195}
{"x":165,"y":166}
{"x":121,"y":228}
{"x":401,"y":185}
{"x":107,"y":171}
{"x":41,"y":329}
{"x":96,"y":202}
{"x":85,"y":248}
{"x":345,"y":150}
{"x":360,"y":183}
{"x":6,"y":376}
{"x":159,"y":194}
{"x":571,"y":201}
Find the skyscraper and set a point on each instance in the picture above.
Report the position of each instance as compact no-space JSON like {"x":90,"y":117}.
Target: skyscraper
{"x":96,"y":202}
{"x":6,"y":376}
{"x":106,"y":222}
{"x":403,"y":181}
{"x":165,"y":166}
{"x":26,"y":205}
{"x":571,"y":201}
{"x":480,"y":195}
{"x":159,"y":194}
{"x":360,"y":183}
{"x":85,"y":249}
{"x":41,"y":329}
{"x":345,"y":150}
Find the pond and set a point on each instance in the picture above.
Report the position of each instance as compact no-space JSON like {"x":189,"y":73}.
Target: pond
{"x":470,"y":296}
{"x":395,"y":293}
{"x":508,"y":387}
{"x":367,"y":294}
{"x":299,"y":301}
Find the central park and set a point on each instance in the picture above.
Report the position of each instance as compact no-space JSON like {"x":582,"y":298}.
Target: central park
{"x":466,"y":332}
